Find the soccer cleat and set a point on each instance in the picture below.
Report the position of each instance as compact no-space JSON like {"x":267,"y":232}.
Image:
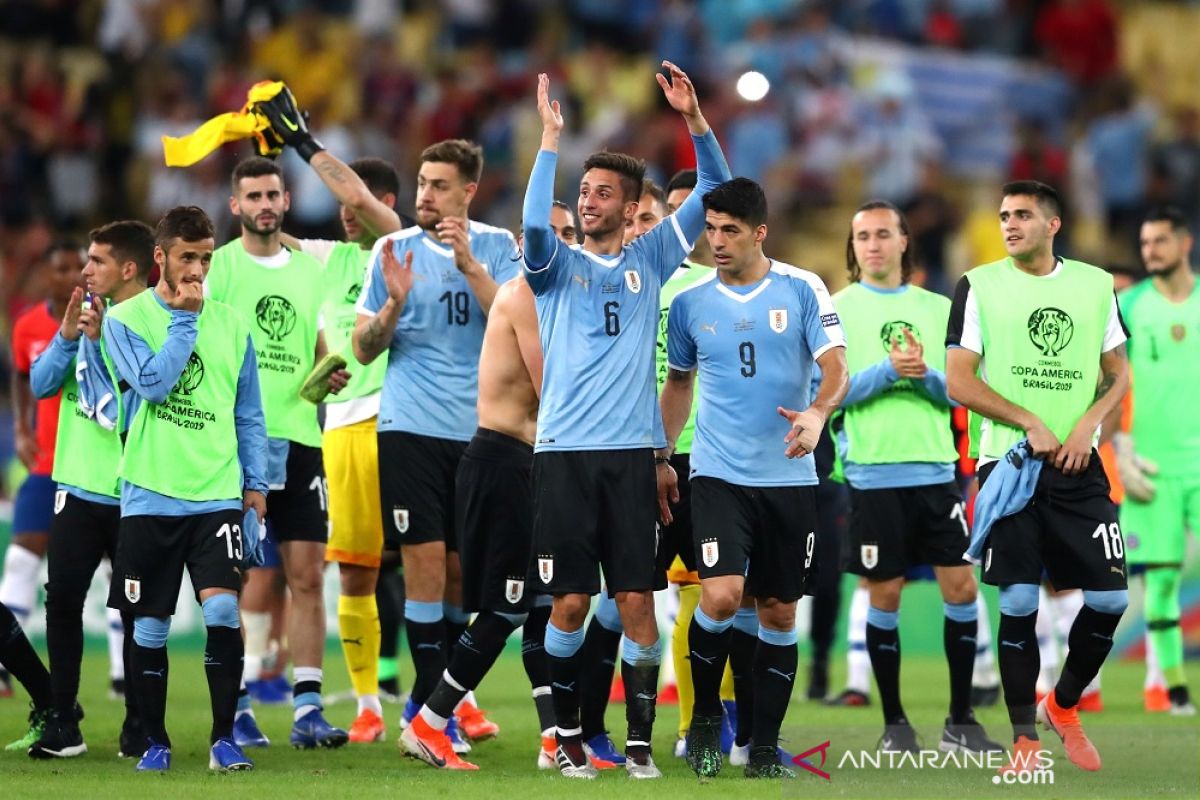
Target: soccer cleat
{"x":474,"y":723}
{"x":967,"y":737}
{"x":312,"y":730}
{"x":602,"y":752}
{"x":572,"y":761}
{"x":411,"y":707}
{"x":1155,"y":699}
{"x":461,"y":745}
{"x":37,"y":723}
{"x":764,"y":763}
{"x":246,"y":732}
{"x":132,"y":741}
{"x":157,"y":758}
{"x":1181,"y":702}
{"x":728,"y":724}
{"x":899,"y":738}
{"x":704,"y":746}
{"x":60,"y":738}
{"x":273,"y":692}
{"x":545,"y":759}
{"x":1024,"y":756}
{"x":641,"y":766}
{"x":851,"y":698}
{"x":425,"y":743}
{"x":367,"y":727}
{"x":1065,"y":722}
{"x":226,"y":756}
{"x":985,"y":696}
{"x":739,"y":755}
{"x":681,"y":747}
{"x":1091,"y":702}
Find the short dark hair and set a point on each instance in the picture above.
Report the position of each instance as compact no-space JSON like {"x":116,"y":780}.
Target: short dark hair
{"x":1045,"y":195}
{"x":649,"y":187}
{"x":188,"y":223}
{"x":379,"y":175}
{"x":254,"y":167}
{"x":129,"y":240}
{"x":59,"y":245}
{"x":1171,"y":214}
{"x":740,"y":198}
{"x":566,"y":208}
{"x":632,"y":171}
{"x":907,"y":260}
{"x":466,"y":156}
{"x":684,"y":179}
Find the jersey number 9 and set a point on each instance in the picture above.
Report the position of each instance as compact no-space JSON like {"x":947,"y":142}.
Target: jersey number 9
{"x":749,"y":364}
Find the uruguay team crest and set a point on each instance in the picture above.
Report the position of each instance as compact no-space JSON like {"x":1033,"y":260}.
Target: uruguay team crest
{"x":710,"y":552}
{"x":546,"y":569}
{"x":60,"y":500}
{"x":514,"y":590}
{"x":778,"y":320}
{"x":400,"y":519}
{"x":870,"y":555}
{"x":633,"y":281}
{"x":133,"y":589}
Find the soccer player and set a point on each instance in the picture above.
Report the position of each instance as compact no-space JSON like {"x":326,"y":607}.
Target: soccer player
{"x":1049,"y":338}
{"x":87,"y":513}
{"x":594,"y":470}
{"x":652,"y":207}
{"x":192,"y":467}
{"x":898,"y":449}
{"x":20,"y":660}
{"x":281,"y":292}
{"x":1159,"y":457}
{"x":753,"y":329}
{"x":429,"y":317}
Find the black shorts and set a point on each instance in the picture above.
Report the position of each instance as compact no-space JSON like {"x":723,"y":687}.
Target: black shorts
{"x":595,"y":508}
{"x":1069,"y":529}
{"x":676,"y":539}
{"x":768,"y":534}
{"x":893,"y":530}
{"x":299,"y":512}
{"x":495,"y":523}
{"x":152,"y":551}
{"x":416,"y":488}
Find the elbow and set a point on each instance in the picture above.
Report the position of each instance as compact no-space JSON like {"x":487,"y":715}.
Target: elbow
{"x":955,"y":389}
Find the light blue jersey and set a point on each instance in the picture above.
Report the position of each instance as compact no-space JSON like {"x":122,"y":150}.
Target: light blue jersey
{"x":754,"y":347}
{"x":432,"y":377}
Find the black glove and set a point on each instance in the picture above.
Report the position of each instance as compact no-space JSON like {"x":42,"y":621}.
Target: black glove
{"x":288,"y":124}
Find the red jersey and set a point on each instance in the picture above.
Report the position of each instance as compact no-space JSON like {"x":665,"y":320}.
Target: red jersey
{"x":31,"y":335}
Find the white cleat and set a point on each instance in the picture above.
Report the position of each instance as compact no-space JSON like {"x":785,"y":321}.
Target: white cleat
{"x":739,"y":755}
{"x":569,"y":769}
{"x":641,"y":771}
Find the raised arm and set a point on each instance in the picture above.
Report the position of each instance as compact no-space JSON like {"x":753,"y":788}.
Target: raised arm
{"x":151,"y":375}
{"x":382,"y":301}
{"x":540,"y":242}
{"x":51,"y":368}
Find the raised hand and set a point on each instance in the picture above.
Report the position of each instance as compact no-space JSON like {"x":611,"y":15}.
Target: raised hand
{"x":397,"y":277}
{"x":909,"y":362}
{"x":549,"y":110}
{"x":679,"y":91}
{"x":189,"y":296}
{"x":70,"y":323}
{"x":805,"y":433}
{"x":452,"y":231}
{"x":90,"y":319}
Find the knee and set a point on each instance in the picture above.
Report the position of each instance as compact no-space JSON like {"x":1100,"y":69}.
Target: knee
{"x":961,"y":589}
{"x":607,"y":615}
{"x":307,"y":581}
{"x":777,"y":615}
{"x":885,"y":595}
{"x":721,"y":602}
{"x":570,"y":610}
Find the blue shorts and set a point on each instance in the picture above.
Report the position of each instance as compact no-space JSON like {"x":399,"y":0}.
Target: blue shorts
{"x":34,"y":507}
{"x":921,"y":572}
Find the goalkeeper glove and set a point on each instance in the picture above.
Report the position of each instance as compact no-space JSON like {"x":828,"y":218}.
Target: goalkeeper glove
{"x":316,"y":385}
{"x":1135,"y":471}
{"x":288,"y":123}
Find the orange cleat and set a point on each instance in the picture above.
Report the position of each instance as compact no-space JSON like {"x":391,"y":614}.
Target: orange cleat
{"x":1091,"y":702}
{"x":421,"y":741}
{"x":1065,"y":722}
{"x":1024,"y":756}
{"x":1155,"y":699}
{"x":546,"y":753}
{"x":474,"y":723}
{"x":368,"y":727}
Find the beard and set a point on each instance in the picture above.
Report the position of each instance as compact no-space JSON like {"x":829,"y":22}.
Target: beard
{"x":250,"y":224}
{"x":1166,"y":270}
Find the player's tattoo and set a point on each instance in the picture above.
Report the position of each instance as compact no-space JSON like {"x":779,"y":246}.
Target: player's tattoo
{"x":334,"y":171}
{"x":1109,"y":378}
{"x":374,"y":337}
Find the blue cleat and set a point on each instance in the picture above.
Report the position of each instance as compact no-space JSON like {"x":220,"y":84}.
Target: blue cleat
{"x":246,"y":732}
{"x":410,"y":710}
{"x":454,"y":732}
{"x":226,"y":756}
{"x":312,"y":730}
{"x":270,"y":693}
{"x":728,"y":725}
{"x":157,"y":758}
{"x":601,"y":747}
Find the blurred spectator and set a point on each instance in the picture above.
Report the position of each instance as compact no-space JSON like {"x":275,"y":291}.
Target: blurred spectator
{"x":1118,"y":141}
{"x":1177,"y":163}
{"x":899,"y":144}
{"x":1079,"y":37}
{"x":1037,"y":158}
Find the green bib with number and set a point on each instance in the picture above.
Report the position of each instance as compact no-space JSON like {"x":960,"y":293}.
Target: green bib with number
{"x":1042,"y":338}
{"x":282,"y":306}
{"x":187,"y":446}
{"x":684,"y":276}
{"x":345,"y":272}
{"x":902,"y":423}
{"x":86,"y":455}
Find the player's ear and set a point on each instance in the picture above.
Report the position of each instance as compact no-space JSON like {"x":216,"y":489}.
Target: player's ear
{"x":1054,"y":225}
{"x":160,"y":258}
{"x":129,"y":270}
{"x":471,"y":188}
{"x":760,"y":234}
{"x":234,"y":206}
{"x":287,"y":200}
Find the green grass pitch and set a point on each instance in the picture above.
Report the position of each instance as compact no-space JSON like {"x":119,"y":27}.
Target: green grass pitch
{"x":1144,"y":755}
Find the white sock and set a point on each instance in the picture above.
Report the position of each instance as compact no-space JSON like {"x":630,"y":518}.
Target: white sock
{"x":1047,"y":650}
{"x":370,"y":702}
{"x":116,"y":644}
{"x":18,"y":587}
{"x":984,"y":674}
{"x":858,"y":660}
{"x":257,"y":625}
{"x":436,"y":722}
{"x":1066,"y":607}
{"x":1154,"y":675}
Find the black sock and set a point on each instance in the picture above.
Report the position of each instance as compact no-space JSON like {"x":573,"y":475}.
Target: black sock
{"x":883,"y":646}
{"x":565,"y":678}
{"x":774,"y":677}
{"x":22,"y":661}
{"x":223,"y":666}
{"x":131,"y":710}
{"x":1019,"y":664}
{"x":1090,"y":641}
{"x":599,"y":662}
{"x":478,"y":648}
{"x":427,"y":644}
{"x":64,"y":643}
{"x":707,"y":653}
{"x":389,"y":598}
{"x":641,"y":697}
{"x":454,"y":632}
{"x":537,"y":665}
{"x":304,"y":687}
{"x":150,"y":667}
{"x":742,"y":649}
{"x":958,"y":638}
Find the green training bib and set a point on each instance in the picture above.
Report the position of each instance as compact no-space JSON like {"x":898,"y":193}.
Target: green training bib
{"x":686,"y":275}
{"x":345,"y":272}
{"x":86,"y":455}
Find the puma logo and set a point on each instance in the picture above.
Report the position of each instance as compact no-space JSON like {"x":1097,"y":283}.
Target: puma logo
{"x":787,"y":676}
{"x":1017,"y":645}
{"x":709,"y":328}
{"x":357,"y":641}
{"x":566,"y":687}
{"x":586,"y":283}
{"x":711,"y":660}
{"x":891,"y":648}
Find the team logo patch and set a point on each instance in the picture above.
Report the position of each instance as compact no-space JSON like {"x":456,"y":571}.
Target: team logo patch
{"x":892,"y":334}
{"x":400,"y":519}
{"x":352,"y":293}
{"x":1178,"y":332}
{"x":987,"y":560}
{"x":829,"y":320}
{"x":778,"y":319}
{"x":60,"y":500}
{"x":192,"y":375}
{"x":546,"y":569}
{"x":275,"y":316}
{"x":869,"y":554}
{"x":710,"y":552}
{"x":1050,"y":330}
{"x":633,"y":281}
{"x":514,"y":590}
{"x":133,"y":589}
